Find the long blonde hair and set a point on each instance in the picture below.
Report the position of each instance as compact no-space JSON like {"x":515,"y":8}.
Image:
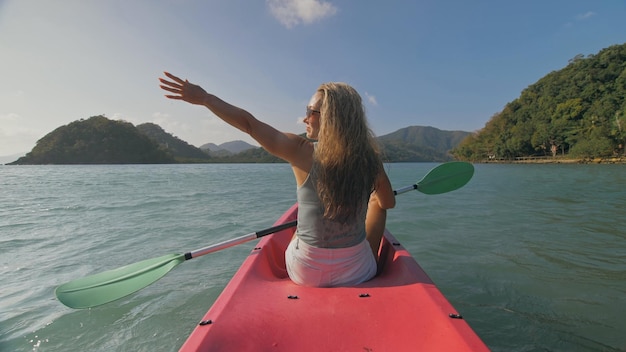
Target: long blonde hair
{"x":346,"y":160}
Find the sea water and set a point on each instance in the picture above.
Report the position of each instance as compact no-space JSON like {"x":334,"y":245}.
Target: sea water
{"x":533,"y":256}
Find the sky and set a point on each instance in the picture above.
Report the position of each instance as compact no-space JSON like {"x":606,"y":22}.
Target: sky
{"x":449,"y":64}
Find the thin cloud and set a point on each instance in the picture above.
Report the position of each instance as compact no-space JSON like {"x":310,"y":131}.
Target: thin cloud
{"x":9,"y":117}
{"x":291,"y":13}
{"x":371,"y":99}
{"x":578,"y":18}
{"x":585,"y":16}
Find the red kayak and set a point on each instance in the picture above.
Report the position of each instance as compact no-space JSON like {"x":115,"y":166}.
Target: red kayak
{"x":261,"y":309}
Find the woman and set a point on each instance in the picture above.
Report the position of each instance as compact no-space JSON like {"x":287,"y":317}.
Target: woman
{"x":338,"y":234}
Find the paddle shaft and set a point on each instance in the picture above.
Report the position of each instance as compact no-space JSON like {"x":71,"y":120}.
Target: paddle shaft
{"x":238,"y":240}
{"x":405,"y":189}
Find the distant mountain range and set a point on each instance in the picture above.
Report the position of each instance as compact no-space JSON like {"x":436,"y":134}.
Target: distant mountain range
{"x":98,"y":140}
{"x":226,"y":149}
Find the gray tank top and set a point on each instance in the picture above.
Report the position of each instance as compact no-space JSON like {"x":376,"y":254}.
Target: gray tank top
{"x":319,"y":232}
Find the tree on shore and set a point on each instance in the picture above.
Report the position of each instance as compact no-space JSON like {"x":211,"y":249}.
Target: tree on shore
{"x":578,"y":112}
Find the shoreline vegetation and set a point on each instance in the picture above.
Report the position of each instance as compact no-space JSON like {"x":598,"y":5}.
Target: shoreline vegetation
{"x":554,"y":160}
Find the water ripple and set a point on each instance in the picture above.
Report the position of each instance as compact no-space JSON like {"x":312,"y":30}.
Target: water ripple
{"x":533,"y":256}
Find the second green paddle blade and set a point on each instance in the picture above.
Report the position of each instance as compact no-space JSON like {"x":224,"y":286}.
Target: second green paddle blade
{"x":110,"y":285}
{"x":446,"y":177}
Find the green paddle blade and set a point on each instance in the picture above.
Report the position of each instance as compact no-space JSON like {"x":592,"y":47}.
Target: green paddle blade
{"x":114,"y":284}
{"x":446,"y":177}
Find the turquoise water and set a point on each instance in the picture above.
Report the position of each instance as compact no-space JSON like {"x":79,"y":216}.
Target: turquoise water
{"x":533,"y":256}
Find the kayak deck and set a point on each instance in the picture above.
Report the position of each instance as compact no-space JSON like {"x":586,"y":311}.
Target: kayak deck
{"x":261,"y":309}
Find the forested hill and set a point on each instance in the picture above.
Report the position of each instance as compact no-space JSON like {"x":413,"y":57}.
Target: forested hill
{"x":180,"y":149}
{"x":98,"y":140}
{"x":418,"y":143}
{"x":576,"y":112}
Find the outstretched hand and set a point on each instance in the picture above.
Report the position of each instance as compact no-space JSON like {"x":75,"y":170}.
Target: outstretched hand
{"x":183,"y":90}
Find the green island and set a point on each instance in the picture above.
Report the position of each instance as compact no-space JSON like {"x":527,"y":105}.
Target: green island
{"x":573,"y":115}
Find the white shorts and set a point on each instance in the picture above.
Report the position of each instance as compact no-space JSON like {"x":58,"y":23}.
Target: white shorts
{"x":329,"y":267}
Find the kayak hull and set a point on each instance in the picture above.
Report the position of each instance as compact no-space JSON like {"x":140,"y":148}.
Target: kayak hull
{"x":261,"y":309}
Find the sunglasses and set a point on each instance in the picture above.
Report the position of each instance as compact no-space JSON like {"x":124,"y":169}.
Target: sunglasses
{"x":310,"y":111}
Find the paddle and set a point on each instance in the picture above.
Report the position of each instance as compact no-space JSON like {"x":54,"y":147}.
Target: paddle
{"x":111,"y":285}
{"x":444,"y":178}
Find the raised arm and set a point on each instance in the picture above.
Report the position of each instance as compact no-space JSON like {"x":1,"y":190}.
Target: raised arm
{"x":286,"y":146}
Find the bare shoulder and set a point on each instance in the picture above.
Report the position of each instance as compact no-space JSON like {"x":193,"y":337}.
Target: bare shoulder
{"x":290,"y":147}
{"x":384,"y":192}
{"x":303,"y":159}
